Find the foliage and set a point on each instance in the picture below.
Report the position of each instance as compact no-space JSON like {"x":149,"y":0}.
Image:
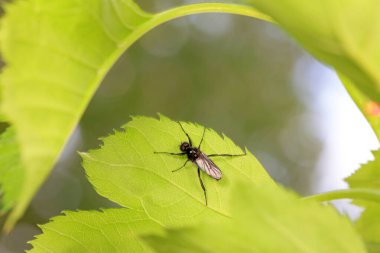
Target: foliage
{"x":111,"y":230}
{"x":126,"y":170}
{"x":11,"y":170}
{"x":138,"y":173}
{"x":266,"y":219}
{"x":45,"y":94}
{"x":368,"y":225}
{"x":341,"y":33}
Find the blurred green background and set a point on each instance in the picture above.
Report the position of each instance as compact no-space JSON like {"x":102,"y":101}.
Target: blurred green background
{"x":239,"y":76}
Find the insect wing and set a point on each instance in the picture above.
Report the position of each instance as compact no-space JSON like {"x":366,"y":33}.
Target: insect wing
{"x":208,"y":166}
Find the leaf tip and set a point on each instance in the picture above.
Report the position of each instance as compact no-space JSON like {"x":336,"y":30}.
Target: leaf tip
{"x":163,"y":118}
{"x":83,"y":155}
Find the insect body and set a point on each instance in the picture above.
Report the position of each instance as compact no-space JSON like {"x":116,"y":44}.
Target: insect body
{"x":202,"y":161}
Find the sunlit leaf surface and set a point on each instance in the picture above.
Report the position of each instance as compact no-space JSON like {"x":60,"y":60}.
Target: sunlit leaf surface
{"x":111,"y":230}
{"x":11,"y":173}
{"x":126,"y":171}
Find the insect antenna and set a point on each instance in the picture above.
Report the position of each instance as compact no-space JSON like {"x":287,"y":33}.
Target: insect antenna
{"x":229,"y":155}
{"x":188,"y":137}
{"x":169,"y":153}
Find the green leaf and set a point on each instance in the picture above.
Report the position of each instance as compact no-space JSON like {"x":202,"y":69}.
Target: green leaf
{"x":368,"y":225}
{"x":341,"y":33}
{"x":56,"y":54}
{"x":11,"y":173}
{"x":126,"y":171}
{"x":266,"y":219}
{"x":368,"y":176}
{"x":112,"y":230}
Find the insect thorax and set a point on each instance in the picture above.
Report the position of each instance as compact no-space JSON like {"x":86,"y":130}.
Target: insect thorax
{"x":192,"y":153}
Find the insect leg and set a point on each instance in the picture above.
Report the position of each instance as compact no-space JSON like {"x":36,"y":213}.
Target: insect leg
{"x":181,"y":166}
{"x":169,"y":153}
{"x":188,"y":137}
{"x":202,"y":185}
{"x":203,"y":135}
{"x":227,"y":155}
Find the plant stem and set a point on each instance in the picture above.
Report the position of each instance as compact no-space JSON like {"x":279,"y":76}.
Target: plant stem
{"x":165,"y":16}
{"x":359,"y":194}
{"x":186,"y":10}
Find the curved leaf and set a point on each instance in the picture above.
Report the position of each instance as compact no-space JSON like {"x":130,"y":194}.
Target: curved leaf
{"x":56,"y":54}
{"x":341,"y":33}
{"x":127,"y":171}
{"x":68,"y":46}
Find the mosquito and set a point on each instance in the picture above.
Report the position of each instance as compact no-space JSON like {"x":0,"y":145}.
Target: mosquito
{"x":201,"y":160}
